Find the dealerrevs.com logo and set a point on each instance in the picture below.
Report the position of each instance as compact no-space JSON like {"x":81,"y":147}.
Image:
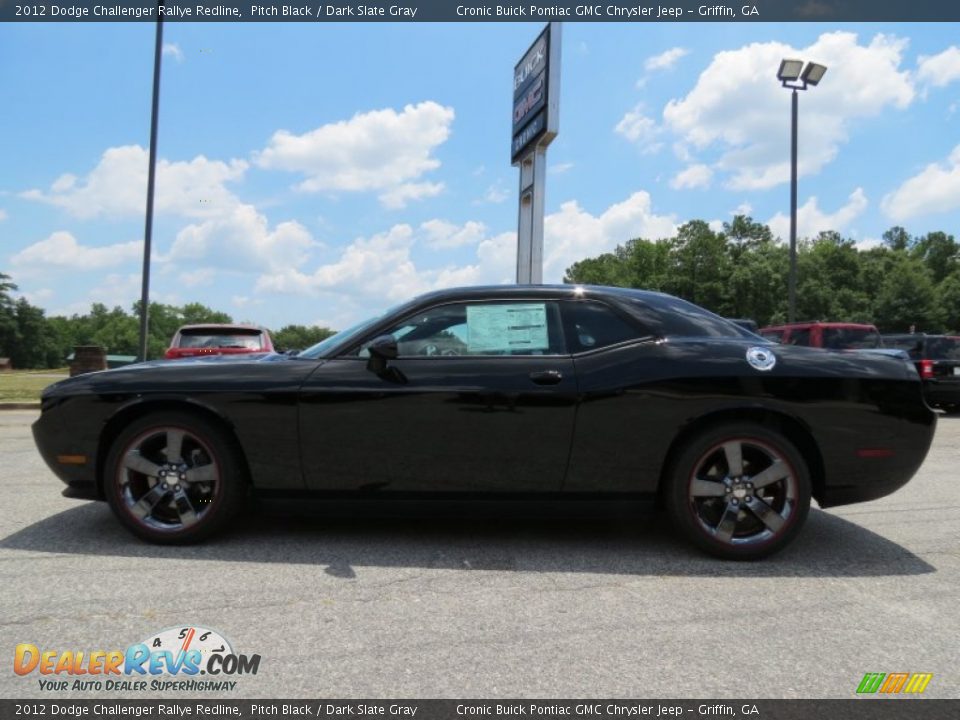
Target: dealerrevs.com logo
{"x":172,"y":659}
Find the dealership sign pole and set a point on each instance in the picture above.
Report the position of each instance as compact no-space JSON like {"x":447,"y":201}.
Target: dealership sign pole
{"x":536,"y":112}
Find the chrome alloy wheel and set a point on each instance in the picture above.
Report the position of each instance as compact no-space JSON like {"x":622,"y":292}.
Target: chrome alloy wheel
{"x":743,"y":492}
{"x":168,"y":478}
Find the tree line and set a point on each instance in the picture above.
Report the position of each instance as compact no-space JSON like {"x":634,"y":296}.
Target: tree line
{"x":738,"y":271}
{"x":32,"y":340}
{"x":741,"y":271}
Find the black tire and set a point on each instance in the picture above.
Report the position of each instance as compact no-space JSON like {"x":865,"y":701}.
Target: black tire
{"x":743,"y":516}
{"x":174,"y":500}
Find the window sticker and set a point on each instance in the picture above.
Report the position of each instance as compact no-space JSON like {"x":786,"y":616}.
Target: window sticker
{"x":507,"y":328}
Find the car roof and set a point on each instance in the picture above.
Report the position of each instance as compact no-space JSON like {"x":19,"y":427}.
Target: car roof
{"x":547,"y":290}
{"x":220,"y":326}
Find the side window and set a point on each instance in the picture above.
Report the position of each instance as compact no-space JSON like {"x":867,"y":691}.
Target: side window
{"x":592,"y":325}
{"x":799,"y":336}
{"x":774,"y":335}
{"x":482,"y":328}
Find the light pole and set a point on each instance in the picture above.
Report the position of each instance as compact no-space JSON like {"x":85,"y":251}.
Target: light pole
{"x":151,"y":180}
{"x":793,"y":75}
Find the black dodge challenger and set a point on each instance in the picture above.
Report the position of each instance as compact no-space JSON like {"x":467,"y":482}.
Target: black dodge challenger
{"x":564,"y":391}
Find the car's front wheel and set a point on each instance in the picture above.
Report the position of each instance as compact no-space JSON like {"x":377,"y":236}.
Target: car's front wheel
{"x":739,"y":491}
{"x":173,"y":477}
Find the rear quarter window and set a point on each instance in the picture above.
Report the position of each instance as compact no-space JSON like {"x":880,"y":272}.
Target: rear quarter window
{"x":667,"y":316}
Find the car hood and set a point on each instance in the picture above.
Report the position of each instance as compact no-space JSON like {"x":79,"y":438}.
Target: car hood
{"x":194,"y":372}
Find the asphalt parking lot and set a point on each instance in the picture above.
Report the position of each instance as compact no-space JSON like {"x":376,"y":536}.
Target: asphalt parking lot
{"x":343,"y":607}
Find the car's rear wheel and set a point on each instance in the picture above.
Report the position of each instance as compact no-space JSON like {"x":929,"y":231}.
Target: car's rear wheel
{"x":173,"y":478}
{"x":739,"y":491}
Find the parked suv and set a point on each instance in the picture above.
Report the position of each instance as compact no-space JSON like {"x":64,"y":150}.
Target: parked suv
{"x":831,"y":335}
{"x":937,"y":358}
{"x":218,"y":339}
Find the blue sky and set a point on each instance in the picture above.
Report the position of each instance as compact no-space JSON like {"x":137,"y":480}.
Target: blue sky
{"x":319,"y":173}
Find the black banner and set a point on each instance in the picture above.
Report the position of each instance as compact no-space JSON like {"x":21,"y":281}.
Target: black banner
{"x":853,"y":709}
{"x":471,"y":10}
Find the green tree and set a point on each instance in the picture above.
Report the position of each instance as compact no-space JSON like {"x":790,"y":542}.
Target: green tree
{"x":948,"y":299}
{"x":8,"y":321}
{"x":938,"y":251}
{"x":299,"y":337}
{"x":828,"y":285}
{"x":758,"y":282}
{"x":36,"y":345}
{"x":699,"y":268}
{"x":908,"y":298}
{"x":896,"y":238}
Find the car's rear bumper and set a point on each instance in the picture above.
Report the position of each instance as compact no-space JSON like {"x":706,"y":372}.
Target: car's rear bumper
{"x":877,"y":458}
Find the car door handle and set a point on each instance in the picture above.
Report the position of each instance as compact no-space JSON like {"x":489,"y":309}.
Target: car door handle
{"x":546,"y":377}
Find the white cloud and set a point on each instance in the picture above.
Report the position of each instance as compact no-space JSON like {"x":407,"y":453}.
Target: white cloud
{"x":665,"y":60}
{"x":695,"y":176}
{"x":939,"y":70}
{"x":61,"y":249}
{"x":495,"y":194}
{"x":174,"y":51}
{"x":39,"y":297}
{"x":244,"y":301}
{"x":811,"y":220}
{"x":935,"y":189}
{"x":379,"y":150}
{"x":573,"y":234}
{"x":366,"y":266}
{"x":560,"y":168}
{"x":639,"y":128}
{"x":197,"y":278}
{"x":3,"y":214}
{"x":117,"y":186}
{"x":441,"y":234}
{"x":242,"y":240}
{"x":869,"y":243}
{"x":358,"y":276}
{"x":743,"y":208}
{"x":738,"y":109}
{"x":116,"y":290}
{"x":397,"y":197}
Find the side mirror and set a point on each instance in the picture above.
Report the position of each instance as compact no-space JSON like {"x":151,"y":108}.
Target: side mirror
{"x":381,"y":350}
{"x":384,"y":347}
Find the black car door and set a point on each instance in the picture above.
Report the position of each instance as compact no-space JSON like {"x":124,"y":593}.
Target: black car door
{"x":481,"y":397}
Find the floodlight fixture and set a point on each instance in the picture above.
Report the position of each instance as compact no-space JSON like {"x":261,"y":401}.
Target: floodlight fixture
{"x":813,"y":73}
{"x":789,"y":70}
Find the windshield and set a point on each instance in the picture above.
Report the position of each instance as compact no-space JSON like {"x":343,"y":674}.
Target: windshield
{"x":207,"y":338}
{"x":332,"y":343}
{"x":335,"y":343}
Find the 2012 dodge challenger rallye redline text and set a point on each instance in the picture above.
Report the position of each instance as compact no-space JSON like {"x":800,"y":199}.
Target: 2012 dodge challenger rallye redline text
{"x":514,"y":391}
